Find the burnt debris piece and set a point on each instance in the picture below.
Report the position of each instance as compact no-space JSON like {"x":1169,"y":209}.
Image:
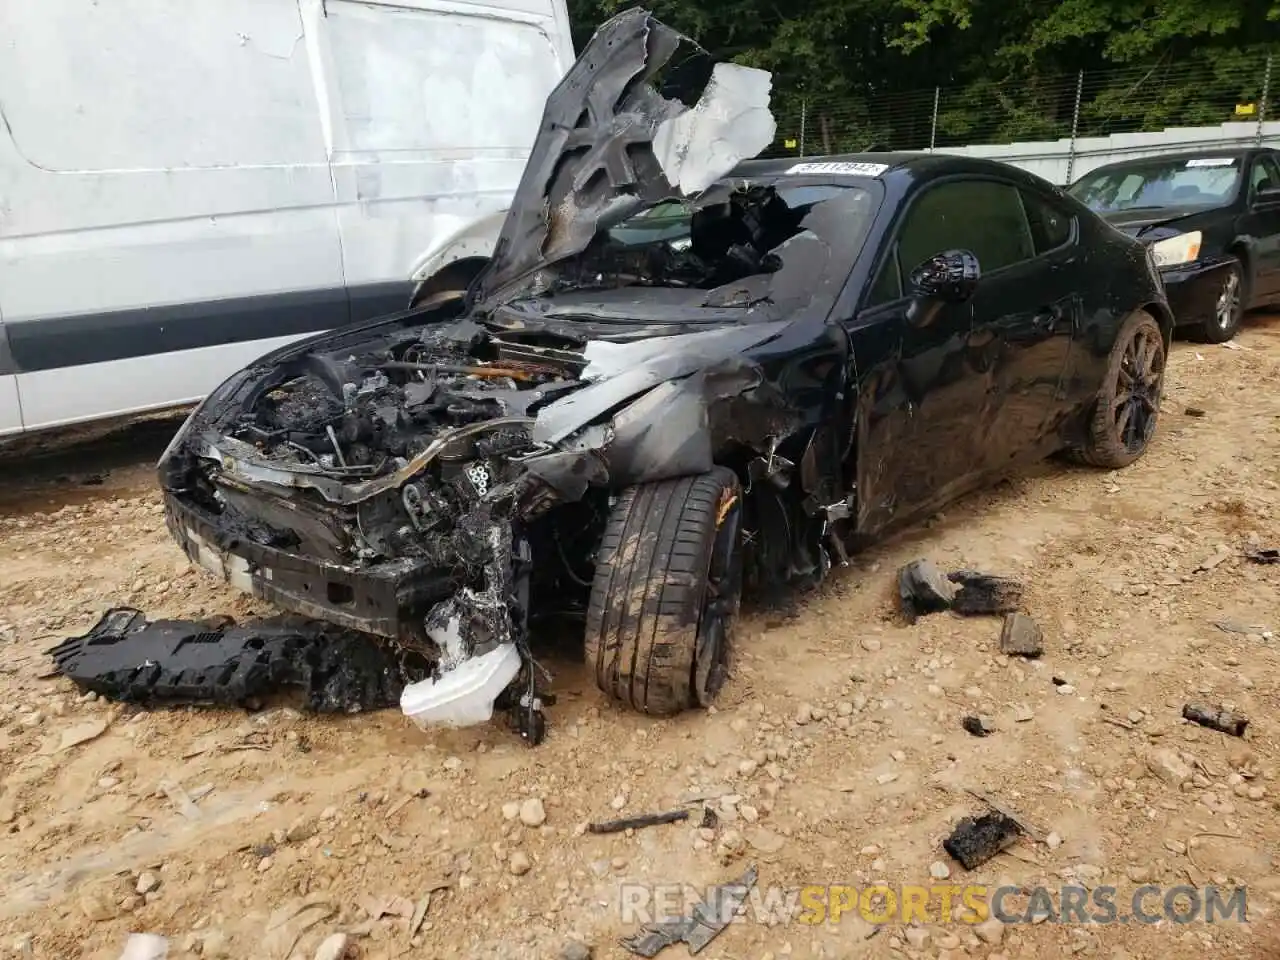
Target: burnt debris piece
{"x":1262,"y":555}
{"x":976,"y":840}
{"x":924,"y":589}
{"x":701,"y":926}
{"x":638,"y":822}
{"x":129,"y":659}
{"x":1021,"y":637}
{"x":981,"y":593}
{"x":1215,"y":718}
{"x":978,"y":726}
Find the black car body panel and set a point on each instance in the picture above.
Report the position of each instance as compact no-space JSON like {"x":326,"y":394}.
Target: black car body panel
{"x":1240,"y":226}
{"x":450,"y":465}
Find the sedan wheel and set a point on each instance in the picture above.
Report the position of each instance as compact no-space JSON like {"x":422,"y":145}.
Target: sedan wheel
{"x":1128,"y":405}
{"x":1228,"y":309}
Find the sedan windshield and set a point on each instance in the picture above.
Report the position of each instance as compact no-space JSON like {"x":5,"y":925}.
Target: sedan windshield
{"x":1160,"y":182}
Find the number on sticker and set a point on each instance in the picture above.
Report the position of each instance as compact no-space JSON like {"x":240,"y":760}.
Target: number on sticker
{"x":1212,"y":162}
{"x":843,"y":168}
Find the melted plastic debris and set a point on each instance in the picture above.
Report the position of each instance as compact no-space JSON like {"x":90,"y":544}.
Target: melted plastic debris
{"x":702,"y":926}
{"x":923,"y":589}
{"x":131,"y":660}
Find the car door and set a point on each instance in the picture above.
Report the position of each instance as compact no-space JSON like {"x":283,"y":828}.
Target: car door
{"x":1261,"y":222}
{"x":927,"y":413}
{"x":1025,"y":318}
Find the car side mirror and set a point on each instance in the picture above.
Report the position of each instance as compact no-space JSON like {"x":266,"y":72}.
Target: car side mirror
{"x":949,"y":277}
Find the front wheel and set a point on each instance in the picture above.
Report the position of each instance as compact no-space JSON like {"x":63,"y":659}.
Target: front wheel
{"x":1228,"y":309}
{"x":667,"y":587}
{"x":1124,"y":416}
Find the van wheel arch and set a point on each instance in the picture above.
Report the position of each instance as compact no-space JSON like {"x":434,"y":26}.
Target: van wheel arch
{"x":449,"y":282}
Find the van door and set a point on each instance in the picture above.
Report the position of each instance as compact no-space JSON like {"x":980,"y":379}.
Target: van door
{"x":168,"y":212}
{"x":432,"y":108}
{"x":10,"y":408}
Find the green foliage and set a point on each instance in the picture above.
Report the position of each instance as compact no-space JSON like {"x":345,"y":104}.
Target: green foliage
{"x":861,"y":74}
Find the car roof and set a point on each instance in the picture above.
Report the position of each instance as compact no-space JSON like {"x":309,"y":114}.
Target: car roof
{"x":913,"y":165}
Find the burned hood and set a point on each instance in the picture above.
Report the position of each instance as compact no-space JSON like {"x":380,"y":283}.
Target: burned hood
{"x":617,"y":373}
{"x":640,"y":117}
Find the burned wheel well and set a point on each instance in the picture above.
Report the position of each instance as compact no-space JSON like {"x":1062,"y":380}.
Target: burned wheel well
{"x":1164,"y":317}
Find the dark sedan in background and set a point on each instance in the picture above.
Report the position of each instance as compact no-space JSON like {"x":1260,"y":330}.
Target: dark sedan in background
{"x":1212,"y":220}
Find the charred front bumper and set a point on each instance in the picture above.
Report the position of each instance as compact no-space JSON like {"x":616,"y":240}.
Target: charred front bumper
{"x":388,"y":600}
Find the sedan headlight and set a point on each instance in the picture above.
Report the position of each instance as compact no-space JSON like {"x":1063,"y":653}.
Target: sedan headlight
{"x":1183,"y":248}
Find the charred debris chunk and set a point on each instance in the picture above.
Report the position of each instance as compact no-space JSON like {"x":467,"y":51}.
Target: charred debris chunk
{"x":1021,"y":637}
{"x":976,"y":840}
{"x":923,"y":589}
{"x":638,"y":822}
{"x":1215,"y":718}
{"x":129,"y":659}
{"x":978,"y":726}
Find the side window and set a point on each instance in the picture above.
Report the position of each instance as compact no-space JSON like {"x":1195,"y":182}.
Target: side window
{"x":1050,"y":227}
{"x":888,"y":285}
{"x":1265,"y":175}
{"x":981,"y":216}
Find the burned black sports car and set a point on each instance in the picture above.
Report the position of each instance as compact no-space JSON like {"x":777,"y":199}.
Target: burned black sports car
{"x":679,"y":374}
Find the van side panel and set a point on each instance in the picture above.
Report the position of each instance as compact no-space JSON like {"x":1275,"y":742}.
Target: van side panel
{"x":10,"y":408}
{"x":167,"y":203}
{"x":432,"y":111}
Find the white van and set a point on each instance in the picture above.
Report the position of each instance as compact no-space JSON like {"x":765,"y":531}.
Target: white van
{"x":188,"y":184}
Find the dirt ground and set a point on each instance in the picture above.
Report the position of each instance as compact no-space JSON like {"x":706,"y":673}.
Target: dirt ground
{"x":836,"y":754}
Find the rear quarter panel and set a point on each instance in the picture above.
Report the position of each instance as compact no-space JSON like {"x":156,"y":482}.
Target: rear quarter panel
{"x":1117,"y":278}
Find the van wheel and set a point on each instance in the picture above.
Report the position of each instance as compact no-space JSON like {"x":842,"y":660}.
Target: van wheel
{"x":1127,"y":409}
{"x":667,"y":587}
{"x":1228,"y":308}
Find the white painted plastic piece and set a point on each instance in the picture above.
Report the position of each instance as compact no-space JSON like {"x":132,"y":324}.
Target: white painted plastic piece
{"x":145,"y":946}
{"x":843,"y":167}
{"x":729,"y":123}
{"x":463,"y":696}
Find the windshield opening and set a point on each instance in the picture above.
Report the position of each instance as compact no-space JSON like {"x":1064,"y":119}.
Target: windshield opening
{"x":741,"y":243}
{"x":1161,"y":182}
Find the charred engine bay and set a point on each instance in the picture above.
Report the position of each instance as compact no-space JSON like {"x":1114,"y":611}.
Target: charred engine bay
{"x":457,"y":401}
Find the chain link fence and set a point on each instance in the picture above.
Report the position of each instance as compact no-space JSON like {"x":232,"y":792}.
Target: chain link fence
{"x":1086,"y":104}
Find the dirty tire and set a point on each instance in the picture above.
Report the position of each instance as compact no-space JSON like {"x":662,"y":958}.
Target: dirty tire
{"x":666,"y":592}
{"x":1133,"y":383}
{"x":1228,"y":308}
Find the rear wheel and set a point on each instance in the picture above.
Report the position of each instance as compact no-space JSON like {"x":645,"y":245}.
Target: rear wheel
{"x":666,"y":592}
{"x":1128,"y":405}
{"x":1228,"y":309}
